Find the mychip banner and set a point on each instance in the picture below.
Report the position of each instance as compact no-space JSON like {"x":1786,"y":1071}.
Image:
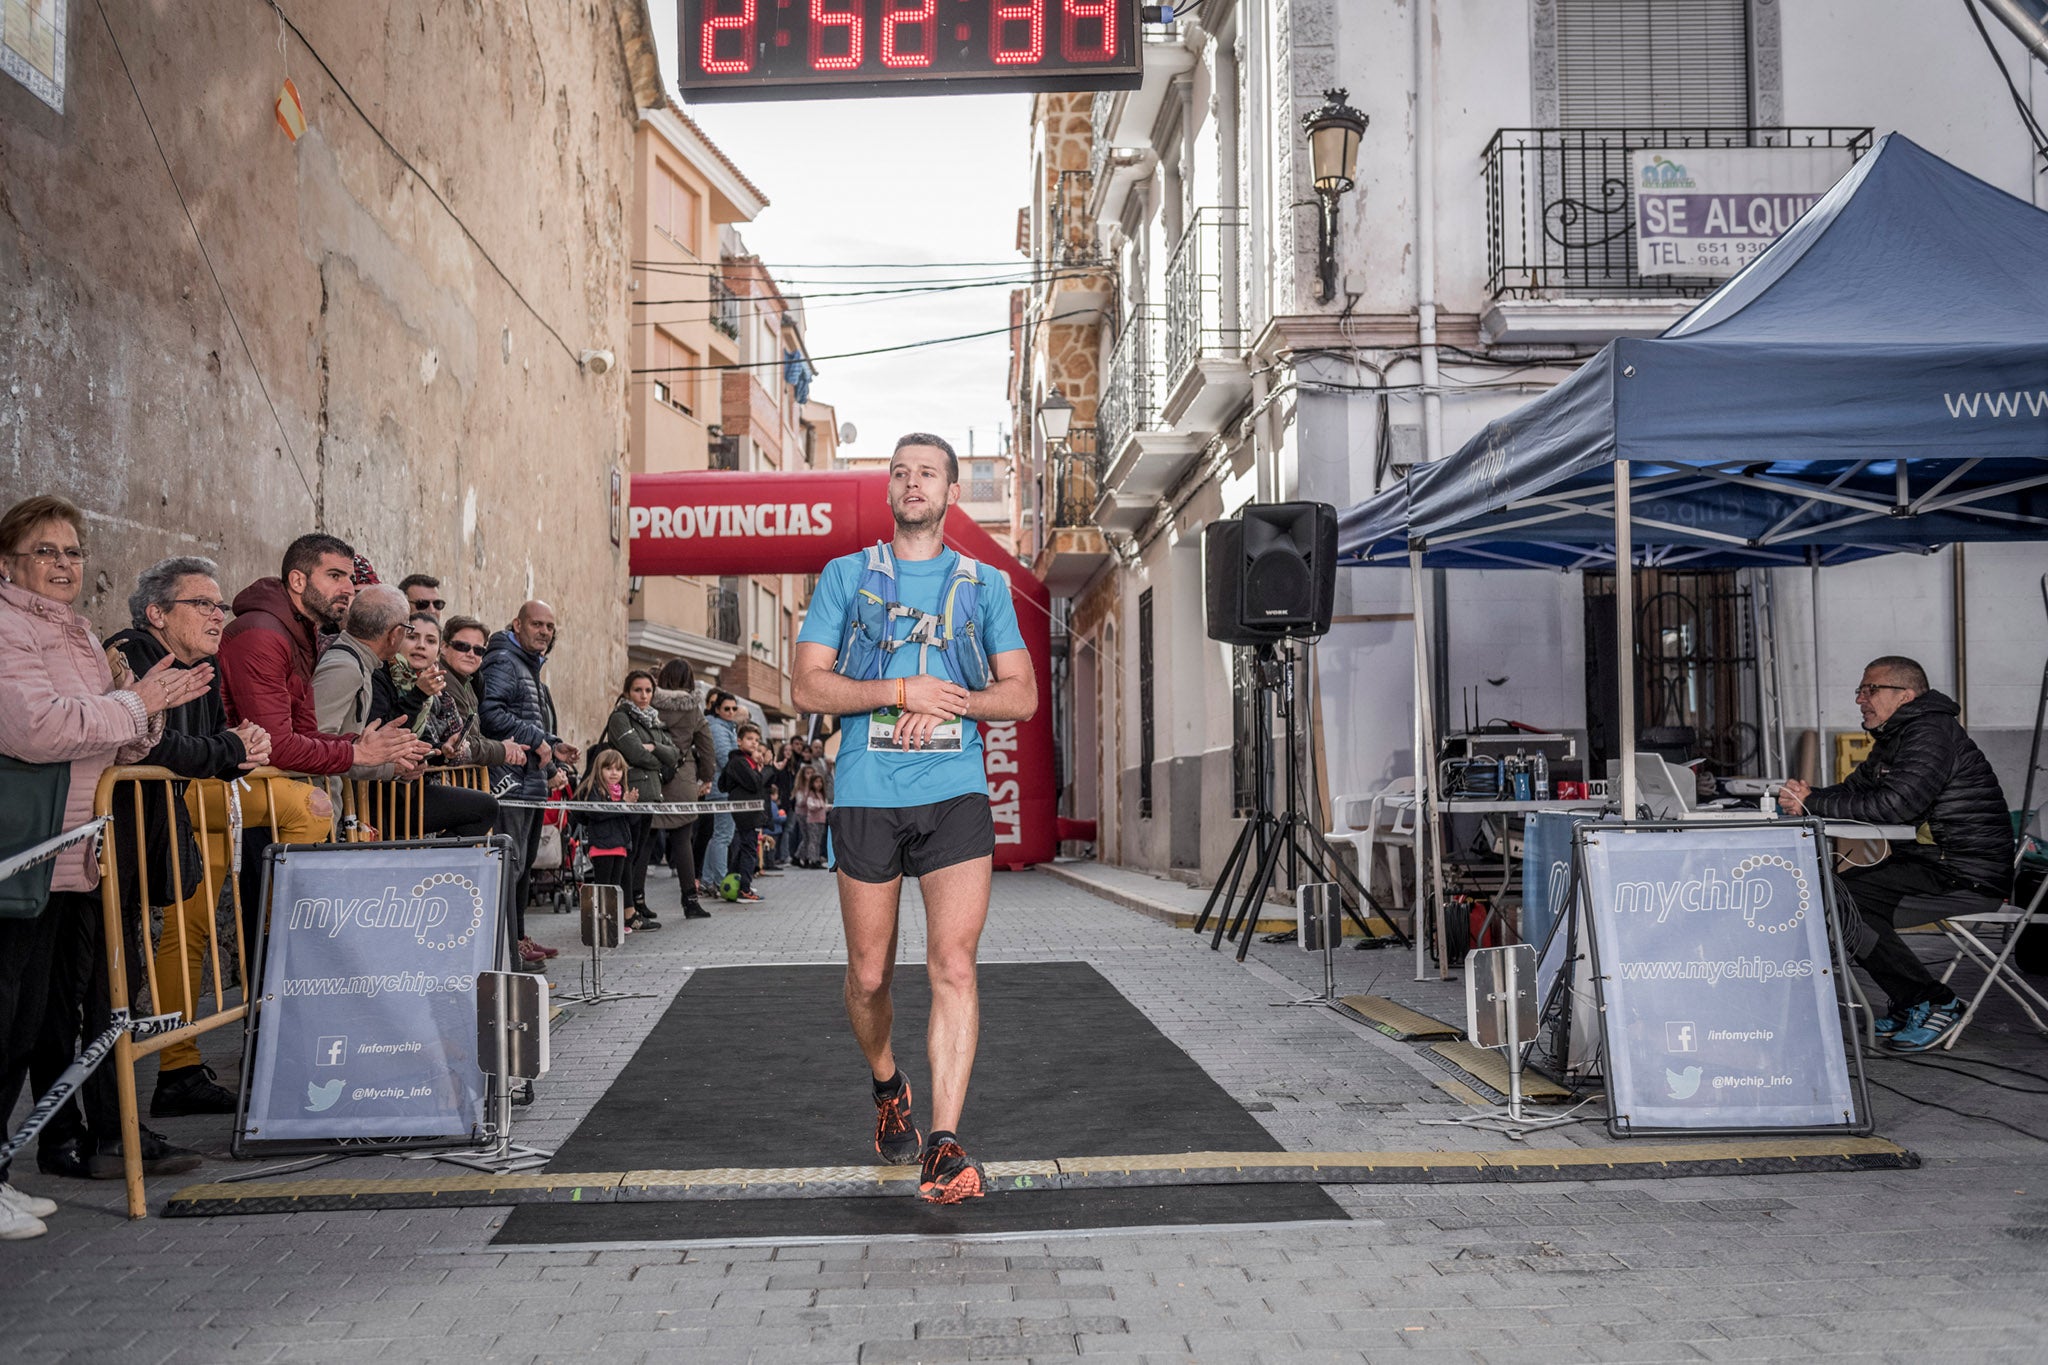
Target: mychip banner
{"x":1713,"y":210}
{"x":1718,"y":984}
{"x":367,"y":1026}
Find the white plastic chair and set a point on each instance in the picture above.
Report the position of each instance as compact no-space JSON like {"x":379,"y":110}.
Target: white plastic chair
{"x":1388,"y":828}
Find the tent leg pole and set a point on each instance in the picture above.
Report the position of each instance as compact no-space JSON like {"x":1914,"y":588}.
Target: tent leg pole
{"x":1424,"y":787}
{"x":1821,"y":776}
{"x":1426,"y":761}
{"x":1625,"y":638}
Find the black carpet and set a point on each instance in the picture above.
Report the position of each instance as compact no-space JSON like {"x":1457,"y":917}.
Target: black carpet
{"x":757,"y":1067}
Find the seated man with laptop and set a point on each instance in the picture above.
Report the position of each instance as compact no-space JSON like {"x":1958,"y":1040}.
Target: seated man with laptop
{"x":1925,"y":771}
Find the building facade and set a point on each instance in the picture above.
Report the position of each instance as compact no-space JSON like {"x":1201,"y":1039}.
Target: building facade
{"x":686,"y":320}
{"x":228,"y":326}
{"x":1485,"y":250}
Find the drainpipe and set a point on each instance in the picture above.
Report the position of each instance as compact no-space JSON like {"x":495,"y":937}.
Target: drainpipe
{"x":1425,"y":226}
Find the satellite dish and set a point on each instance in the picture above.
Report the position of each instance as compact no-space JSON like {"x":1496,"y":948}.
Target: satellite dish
{"x":847,"y":434}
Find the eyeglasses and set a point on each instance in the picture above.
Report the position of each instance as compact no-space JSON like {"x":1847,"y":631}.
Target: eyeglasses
{"x":1864,"y":690}
{"x":461,"y":648}
{"x":429,"y":604}
{"x":205,"y":606}
{"x":48,"y":554}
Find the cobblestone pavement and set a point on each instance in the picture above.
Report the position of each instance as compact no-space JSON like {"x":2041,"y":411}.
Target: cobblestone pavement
{"x":1947,"y":1263}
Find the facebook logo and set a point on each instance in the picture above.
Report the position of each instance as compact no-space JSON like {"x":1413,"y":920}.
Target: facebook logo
{"x":1681,"y":1036}
{"x":330,"y":1052}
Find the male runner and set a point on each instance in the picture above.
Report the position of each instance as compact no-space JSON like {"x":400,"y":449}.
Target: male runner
{"x":892,"y":645}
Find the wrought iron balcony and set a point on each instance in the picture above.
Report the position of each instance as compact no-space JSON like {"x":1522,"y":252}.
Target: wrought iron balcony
{"x":1201,"y":292}
{"x":1134,"y":383}
{"x":1075,"y":479}
{"x":725,"y":308}
{"x":722,"y":613}
{"x":1560,"y":207}
{"x":1070,"y":239}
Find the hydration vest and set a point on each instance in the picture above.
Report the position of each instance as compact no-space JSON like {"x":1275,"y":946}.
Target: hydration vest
{"x":867,"y":642}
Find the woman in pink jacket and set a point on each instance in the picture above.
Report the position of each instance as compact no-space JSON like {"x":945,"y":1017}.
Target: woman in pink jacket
{"x":59,"y":702}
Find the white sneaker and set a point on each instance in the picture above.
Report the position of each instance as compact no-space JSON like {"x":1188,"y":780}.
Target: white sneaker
{"x":17,"y":1224}
{"x":35,"y":1206}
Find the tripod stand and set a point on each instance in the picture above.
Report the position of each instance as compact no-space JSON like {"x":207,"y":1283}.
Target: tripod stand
{"x":1267,"y":835}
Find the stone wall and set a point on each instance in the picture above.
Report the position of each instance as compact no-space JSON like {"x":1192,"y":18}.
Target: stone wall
{"x":378,"y":339}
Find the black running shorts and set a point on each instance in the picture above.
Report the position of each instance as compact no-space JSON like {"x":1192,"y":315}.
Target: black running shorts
{"x":881,"y":843}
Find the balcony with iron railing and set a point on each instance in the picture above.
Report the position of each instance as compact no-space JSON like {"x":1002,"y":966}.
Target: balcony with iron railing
{"x":1560,"y":206}
{"x":1075,"y":479}
{"x":1206,"y":376}
{"x":722,"y":613}
{"x":1072,"y":548}
{"x":1141,"y":453}
{"x":725,"y":308}
{"x":1131,"y":387}
{"x":723,"y":453}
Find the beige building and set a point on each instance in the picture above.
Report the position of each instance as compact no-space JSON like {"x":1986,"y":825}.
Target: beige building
{"x":687,"y":194}
{"x":221,"y":336}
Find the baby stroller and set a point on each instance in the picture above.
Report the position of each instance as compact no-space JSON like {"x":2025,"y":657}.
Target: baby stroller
{"x":561,"y":863}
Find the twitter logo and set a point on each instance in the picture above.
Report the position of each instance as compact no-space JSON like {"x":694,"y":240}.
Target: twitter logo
{"x":322,"y":1097}
{"x":1684,"y":1084}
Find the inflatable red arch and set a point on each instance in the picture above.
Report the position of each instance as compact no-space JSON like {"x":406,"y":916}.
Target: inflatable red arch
{"x":771,"y":522}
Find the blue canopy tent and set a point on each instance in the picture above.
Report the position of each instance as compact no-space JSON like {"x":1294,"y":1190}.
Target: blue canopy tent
{"x":1875,"y":382}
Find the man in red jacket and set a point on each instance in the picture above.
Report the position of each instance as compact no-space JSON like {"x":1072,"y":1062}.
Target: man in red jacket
{"x":267,"y":655}
{"x":266,"y":670}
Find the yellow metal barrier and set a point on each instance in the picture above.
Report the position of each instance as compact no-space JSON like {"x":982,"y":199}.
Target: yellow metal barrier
{"x":395,"y":810}
{"x":209,"y":803}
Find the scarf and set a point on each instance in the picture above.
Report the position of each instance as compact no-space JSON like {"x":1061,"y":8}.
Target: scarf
{"x":646,"y":715}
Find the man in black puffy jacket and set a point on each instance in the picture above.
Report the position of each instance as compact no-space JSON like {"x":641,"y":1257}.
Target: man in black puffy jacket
{"x":1925,"y":771}
{"x":513,"y":703}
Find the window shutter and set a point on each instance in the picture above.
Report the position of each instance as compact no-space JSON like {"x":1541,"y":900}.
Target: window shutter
{"x":1653,"y":63}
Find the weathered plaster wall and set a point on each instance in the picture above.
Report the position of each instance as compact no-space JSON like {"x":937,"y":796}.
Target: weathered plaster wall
{"x":429,"y":406}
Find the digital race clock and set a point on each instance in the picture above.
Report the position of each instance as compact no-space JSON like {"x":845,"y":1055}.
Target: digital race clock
{"x":808,"y":49}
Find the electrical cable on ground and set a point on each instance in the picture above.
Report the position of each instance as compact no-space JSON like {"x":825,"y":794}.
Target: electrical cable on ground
{"x":206,"y":256}
{"x":1959,"y":1113}
{"x":427,"y":184}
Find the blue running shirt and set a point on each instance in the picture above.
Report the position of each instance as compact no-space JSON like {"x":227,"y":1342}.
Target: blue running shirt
{"x":921,"y":777}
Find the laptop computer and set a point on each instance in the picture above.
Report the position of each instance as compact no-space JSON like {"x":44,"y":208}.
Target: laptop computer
{"x":1667,"y":792}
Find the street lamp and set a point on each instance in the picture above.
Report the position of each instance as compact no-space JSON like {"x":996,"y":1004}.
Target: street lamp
{"x":1055,"y":418}
{"x":1333,"y":132}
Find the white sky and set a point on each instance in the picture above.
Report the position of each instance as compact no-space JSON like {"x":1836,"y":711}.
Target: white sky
{"x":937,"y":178}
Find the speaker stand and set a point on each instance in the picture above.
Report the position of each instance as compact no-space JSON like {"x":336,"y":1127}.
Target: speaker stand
{"x":1290,"y":831}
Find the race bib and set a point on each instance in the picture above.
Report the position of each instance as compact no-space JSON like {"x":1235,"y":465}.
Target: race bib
{"x":946,"y":738}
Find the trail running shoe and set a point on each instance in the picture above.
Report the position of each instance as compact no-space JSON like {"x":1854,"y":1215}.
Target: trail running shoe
{"x":896,"y":1135}
{"x":1929,"y":1025}
{"x":949,"y":1175}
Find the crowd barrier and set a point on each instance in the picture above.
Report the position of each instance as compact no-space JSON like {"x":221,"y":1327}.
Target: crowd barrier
{"x":267,"y":797}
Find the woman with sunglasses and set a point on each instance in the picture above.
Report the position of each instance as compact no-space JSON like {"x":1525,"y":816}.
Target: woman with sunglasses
{"x":463,"y":639}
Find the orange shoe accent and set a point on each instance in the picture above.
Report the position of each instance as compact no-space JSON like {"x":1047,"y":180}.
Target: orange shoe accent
{"x":897,"y":1140}
{"x":950,"y":1176}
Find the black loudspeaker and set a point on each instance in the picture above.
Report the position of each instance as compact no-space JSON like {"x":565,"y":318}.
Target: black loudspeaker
{"x":1271,"y":572}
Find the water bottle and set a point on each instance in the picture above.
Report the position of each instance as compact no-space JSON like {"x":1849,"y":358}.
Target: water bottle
{"x":1540,"y":766}
{"x":1518,"y":771}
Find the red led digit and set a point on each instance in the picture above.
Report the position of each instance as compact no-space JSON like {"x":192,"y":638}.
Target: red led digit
{"x":1072,"y":12}
{"x":741,"y":23}
{"x":844,"y":15}
{"x":1009,"y":19}
{"x":918,"y":17}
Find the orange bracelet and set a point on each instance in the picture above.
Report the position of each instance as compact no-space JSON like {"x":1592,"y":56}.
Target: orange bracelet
{"x":902,"y":695}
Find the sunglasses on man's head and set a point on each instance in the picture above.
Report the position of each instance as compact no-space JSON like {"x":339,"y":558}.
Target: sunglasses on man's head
{"x":461,"y":648}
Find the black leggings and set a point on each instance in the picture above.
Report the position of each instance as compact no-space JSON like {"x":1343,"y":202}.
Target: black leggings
{"x":682,"y":856}
{"x":1871,"y":930}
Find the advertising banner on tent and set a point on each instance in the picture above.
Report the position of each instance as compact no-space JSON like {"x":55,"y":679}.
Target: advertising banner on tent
{"x":1717,"y":979}
{"x":367,"y":1027}
{"x":1713,"y":210}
